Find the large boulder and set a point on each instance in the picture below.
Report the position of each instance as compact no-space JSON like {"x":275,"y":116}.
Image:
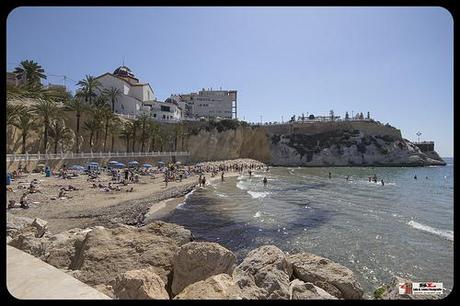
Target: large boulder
{"x":323,"y":273}
{"x":264,"y":274}
{"x":216,"y":287}
{"x":298,"y":290}
{"x":28,"y":243}
{"x":63,"y":247}
{"x":196,"y":261}
{"x":17,"y":225}
{"x":41,"y":226}
{"x":140,"y":284}
{"x":176,"y":232}
{"x":105,"y":253}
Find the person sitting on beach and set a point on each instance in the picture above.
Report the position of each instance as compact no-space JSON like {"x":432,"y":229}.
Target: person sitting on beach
{"x":125,"y":183}
{"x":130,"y":190}
{"x":94,"y":186}
{"x":61,"y":193}
{"x":24,"y":201}
{"x":11,"y":204}
{"x":117,"y":188}
{"x":34,"y":189}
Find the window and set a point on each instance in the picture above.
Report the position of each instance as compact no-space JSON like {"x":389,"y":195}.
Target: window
{"x":154,"y":115}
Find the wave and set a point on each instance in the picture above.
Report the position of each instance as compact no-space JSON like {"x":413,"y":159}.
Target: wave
{"x":222,"y":195}
{"x":258,"y":194}
{"x":257,"y":215}
{"x":449,"y":235}
{"x":241,"y":185}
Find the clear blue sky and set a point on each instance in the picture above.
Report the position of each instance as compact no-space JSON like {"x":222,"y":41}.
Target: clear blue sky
{"x":396,"y":63}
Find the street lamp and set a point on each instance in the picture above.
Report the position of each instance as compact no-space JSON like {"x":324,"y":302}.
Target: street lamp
{"x":418,"y":134}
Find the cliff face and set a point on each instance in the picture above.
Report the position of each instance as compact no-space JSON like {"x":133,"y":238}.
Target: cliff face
{"x":316,"y":144}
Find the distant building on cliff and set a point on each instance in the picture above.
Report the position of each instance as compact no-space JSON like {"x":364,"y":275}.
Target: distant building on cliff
{"x":137,"y":98}
{"x":207,"y":103}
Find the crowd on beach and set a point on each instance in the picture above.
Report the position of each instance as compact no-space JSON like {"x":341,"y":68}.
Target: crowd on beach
{"x":110,"y":180}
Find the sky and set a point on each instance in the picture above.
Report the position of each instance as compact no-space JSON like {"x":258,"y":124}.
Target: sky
{"x":395,"y":62}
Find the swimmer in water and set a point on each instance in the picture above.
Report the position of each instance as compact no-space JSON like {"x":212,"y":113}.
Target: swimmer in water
{"x":330,"y":175}
{"x":383,"y":183}
{"x":415,"y":177}
{"x":265,"y":181}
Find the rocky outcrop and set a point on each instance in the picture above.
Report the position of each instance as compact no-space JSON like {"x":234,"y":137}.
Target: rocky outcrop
{"x":196,"y":261}
{"x":264,"y":274}
{"x":326,"y":274}
{"x":298,"y":290}
{"x":18,"y":225}
{"x":140,"y":284}
{"x":216,"y":287}
{"x":176,"y":232}
{"x":106,"y":253}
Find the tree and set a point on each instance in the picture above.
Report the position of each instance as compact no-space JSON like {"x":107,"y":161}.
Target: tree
{"x":25,"y":121}
{"x":142,"y":123}
{"x":92,"y":126}
{"x":135,"y":126}
{"x":46,"y":110}
{"x":153,"y":129}
{"x":79,"y":107}
{"x":113,"y":94}
{"x":127,"y":132}
{"x":331,"y":114}
{"x":89,"y":86}
{"x":178,"y":132}
{"x":12,"y":112}
{"x":31,"y":72}
{"x":347,"y":116}
{"x":292,"y":118}
{"x":115,"y":126}
{"x":59,"y":133}
{"x":107,"y":117}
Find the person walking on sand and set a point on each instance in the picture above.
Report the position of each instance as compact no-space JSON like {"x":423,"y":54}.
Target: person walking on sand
{"x":265,"y":181}
{"x":203,"y":181}
{"x":222,"y":176}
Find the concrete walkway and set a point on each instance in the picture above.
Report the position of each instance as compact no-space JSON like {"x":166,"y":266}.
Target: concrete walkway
{"x":30,"y":278}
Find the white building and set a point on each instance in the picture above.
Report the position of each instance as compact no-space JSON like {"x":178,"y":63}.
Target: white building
{"x":163,"y":111}
{"x":207,"y":103}
{"x":133,"y":93}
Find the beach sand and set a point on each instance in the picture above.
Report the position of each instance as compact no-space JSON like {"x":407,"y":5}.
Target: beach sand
{"x":93,"y":206}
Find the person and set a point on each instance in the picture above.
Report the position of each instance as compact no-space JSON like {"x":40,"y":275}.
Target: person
{"x":166,"y":180}
{"x":383,"y":183}
{"x":426,"y":177}
{"x":203,"y":181}
{"x":24,"y":201}
{"x":200,"y":180}
{"x":11,"y":204}
{"x":126,"y":174}
{"x":222,"y":176}
{"x":250,"y":173}
{"x":330,"y":175}
{"x":348,"y":177}
{"x":370,"y":179}
{"x":415,"y":177}
{"x":265,"y":181}
{"x":375,"y":178}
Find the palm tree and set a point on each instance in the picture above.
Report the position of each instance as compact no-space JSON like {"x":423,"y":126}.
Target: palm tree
{"x":178,"y":131}
{"x":100,"y":110}
{"x":89,"y":86}
{"x":79,"y":107}
{"x":127,"y":132}
{"x":153,"y":129}
{"x":31,"y":72}
{"x":143,"y":123}
{"x":107,"y":117}
{"x":113,"y":94}
{"x":59,"y":132}
{"x":46,"y":109}
{"x":136,"y":125}
{"x":25,"y":122}
{"x":12,"y":112}
{"x":115,"y":126}
{"x":92,"y":126}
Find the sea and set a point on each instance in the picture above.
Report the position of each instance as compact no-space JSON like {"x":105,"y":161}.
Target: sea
{"x":402,"y":228}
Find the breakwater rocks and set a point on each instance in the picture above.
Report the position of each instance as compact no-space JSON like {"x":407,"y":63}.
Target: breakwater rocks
{"x":161,"y":261}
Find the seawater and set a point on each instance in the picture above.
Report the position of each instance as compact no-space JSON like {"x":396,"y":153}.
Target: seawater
{"x":403,"y":228}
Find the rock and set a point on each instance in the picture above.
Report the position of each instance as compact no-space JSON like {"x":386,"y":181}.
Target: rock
{"x":41,"y":226}
{"x":216,"y":287}
{"x":264,"y":274}
{"x":298,"y":290}
{"x":106,"y":289}
{"x":196,"y":261}
{"x":28,"y":243}
{"x":140,"y":284}
{"x":105,"y":253}
{"x":391,"y":292}
{"x":8,"y":239}
{"x":63,"y":247}
{"x":176,"y":232}
{"x":319,"y":270}
{"x":16,"y":225}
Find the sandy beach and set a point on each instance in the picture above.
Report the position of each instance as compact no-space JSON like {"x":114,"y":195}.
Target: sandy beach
{"x":89,"y":206}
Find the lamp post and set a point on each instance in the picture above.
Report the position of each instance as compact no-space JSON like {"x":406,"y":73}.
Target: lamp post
{"x":418,"y":136}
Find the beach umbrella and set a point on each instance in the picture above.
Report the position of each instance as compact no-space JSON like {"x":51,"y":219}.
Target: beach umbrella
{"x":133,"y":162}
{"x":94,"y":163}
{"x":41,"y":165}
{"x":77,"y":167}
{"x":119,"y":165}
{"x":113,"y":162}
{"x":147,"y":165}
{"x":178,"y":163}
{"x":161,"y":162}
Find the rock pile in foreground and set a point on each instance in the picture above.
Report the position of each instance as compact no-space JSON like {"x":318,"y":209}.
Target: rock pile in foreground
{"x":160,"y":261}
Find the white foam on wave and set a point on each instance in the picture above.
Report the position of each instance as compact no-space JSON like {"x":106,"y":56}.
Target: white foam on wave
{"x":449,"y":235}
{"x":257,"y":215}
{"x":222,"y":195}
{"x":258,"y":194}
{"x":241,"y":185}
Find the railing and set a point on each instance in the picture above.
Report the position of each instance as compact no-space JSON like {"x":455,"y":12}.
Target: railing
{"x":307,"y":121}
{"x":423,"y":142}
{"x":71,"y":155}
